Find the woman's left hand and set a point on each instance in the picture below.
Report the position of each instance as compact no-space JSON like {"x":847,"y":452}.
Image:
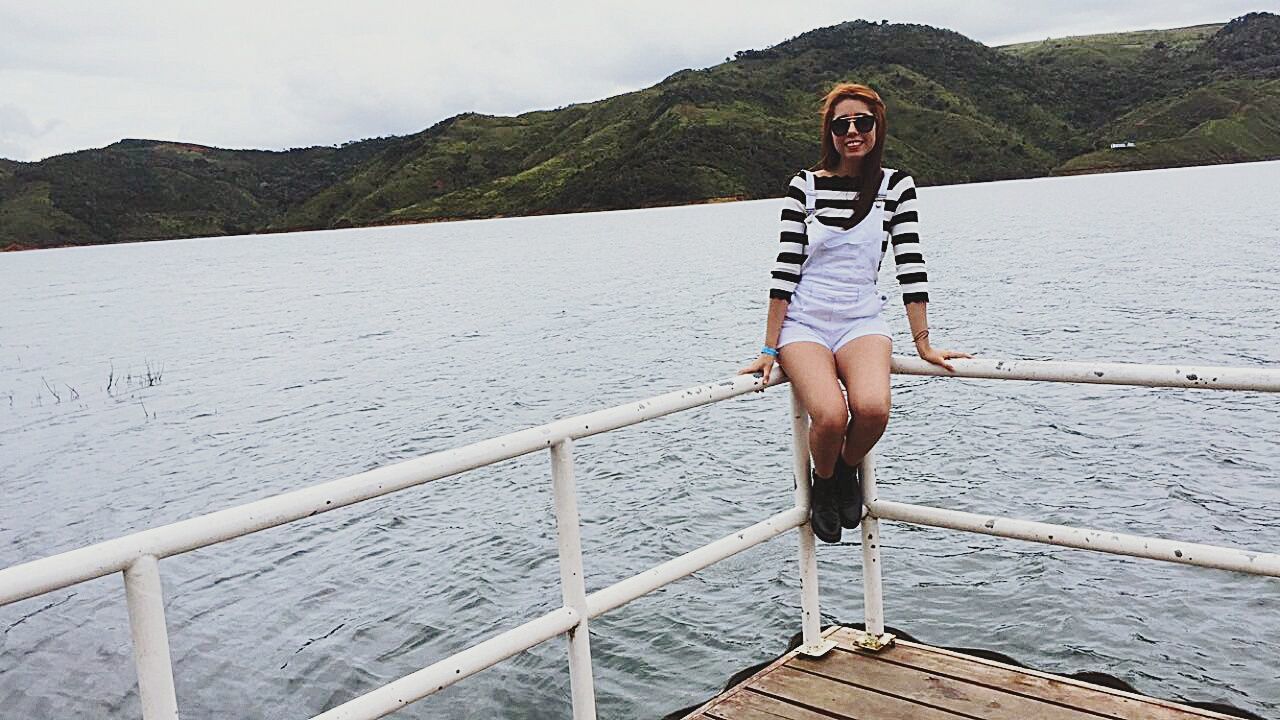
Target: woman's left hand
{"x":940,"y":357}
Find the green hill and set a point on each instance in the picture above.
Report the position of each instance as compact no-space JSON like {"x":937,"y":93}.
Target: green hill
{"x":143,"y":189}
{"x":959,"y":112}
{"x":732,"y":130}
{"x":1221,"y":122}
{"x":1103,"y":73}
{"x":1192,"y":103}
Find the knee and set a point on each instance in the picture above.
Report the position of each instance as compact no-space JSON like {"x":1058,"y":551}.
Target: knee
{"x":829,"y":420}
{"x":870,"y":411}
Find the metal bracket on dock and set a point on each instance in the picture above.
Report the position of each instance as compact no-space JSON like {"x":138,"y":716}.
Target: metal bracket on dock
{"x":874,"y":643}
{"x":817,"y":649}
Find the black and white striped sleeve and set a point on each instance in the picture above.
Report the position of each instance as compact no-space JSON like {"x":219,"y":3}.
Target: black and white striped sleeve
{"x":904,"y":233}
{"x":792,"y":242}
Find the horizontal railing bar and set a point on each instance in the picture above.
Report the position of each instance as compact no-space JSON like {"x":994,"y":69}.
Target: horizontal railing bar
{"x":1100,"y":373}
{"x":432,"y":679}
{"x":1212,"y":556}
{"x":37,"y":577}
{"x":59,"y":571}
{"x":438,"y":676}
{"x":621,"y":593}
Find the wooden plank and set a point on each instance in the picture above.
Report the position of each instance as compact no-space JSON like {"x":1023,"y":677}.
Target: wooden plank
{"x":1010,"y":679}
{"x":842,"y":700}
{"x":735,"y":711}
{"x":722,"y":697}
{"x":917,"y":682}
{"x":1150,"y":707}
{"x":1107,"y":702}
{"x":751,"y":705}
{"x":938,"y":691}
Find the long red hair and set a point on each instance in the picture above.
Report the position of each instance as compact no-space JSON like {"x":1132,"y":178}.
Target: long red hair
{"x":869,"y":175}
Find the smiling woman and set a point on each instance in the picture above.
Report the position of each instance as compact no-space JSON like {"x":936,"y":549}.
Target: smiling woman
{"x":824,"y":323}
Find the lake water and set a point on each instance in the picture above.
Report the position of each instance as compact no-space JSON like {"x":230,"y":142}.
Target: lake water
{"x":287,"y":360}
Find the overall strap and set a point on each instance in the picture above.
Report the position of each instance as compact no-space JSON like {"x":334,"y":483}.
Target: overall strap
{"x":810,"y":192}
{"x":809,"y":208}
{"x":884,"y":182}
{"x":881,"y":197}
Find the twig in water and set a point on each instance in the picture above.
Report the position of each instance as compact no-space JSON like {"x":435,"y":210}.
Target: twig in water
{"x":52,"y":392}
{"x":144,"y":410}
{"x":112,"y":379}
{"x":74,"y":395}
{"x":154,"y":373}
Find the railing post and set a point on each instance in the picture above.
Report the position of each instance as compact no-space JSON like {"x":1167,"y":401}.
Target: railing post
{"x":572,"y":583}
{"x":810,"y":613}
{"x":150,"y":639}
{"x":875,"y":637}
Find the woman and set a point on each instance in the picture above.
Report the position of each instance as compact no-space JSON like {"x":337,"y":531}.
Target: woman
{"x":824,"y":322}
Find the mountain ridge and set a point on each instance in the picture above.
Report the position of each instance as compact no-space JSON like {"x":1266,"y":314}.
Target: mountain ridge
{"x":960,"y":111}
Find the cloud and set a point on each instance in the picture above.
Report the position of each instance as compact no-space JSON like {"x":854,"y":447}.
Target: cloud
{"x":18,"y":132}
{"x":290,"y":73}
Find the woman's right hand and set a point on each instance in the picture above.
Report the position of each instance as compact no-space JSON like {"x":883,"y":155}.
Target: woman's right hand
{"x":762,"y":365}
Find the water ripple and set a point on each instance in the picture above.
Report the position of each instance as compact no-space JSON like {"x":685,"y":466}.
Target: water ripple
{"x":277,"y":377}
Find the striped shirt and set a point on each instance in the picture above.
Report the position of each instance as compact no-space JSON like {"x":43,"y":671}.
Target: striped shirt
{"x":833,"y":203}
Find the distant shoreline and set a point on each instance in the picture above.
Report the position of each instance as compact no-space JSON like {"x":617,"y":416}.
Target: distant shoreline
{"x":1097,"y":170}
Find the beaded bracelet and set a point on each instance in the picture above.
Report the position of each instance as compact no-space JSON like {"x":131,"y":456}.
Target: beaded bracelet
{"x":766,"y":350}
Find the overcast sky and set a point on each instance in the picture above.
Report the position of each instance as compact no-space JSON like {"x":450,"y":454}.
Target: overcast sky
{"x":286,"y":73}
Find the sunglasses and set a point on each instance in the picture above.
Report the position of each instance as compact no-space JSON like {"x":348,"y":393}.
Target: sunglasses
{"x":861,"y":123}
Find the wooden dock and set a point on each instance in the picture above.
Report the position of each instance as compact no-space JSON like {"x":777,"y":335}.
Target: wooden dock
{"x":909,"y":681}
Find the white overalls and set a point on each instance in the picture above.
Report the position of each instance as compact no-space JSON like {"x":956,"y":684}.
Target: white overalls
{"x":836,"y":300}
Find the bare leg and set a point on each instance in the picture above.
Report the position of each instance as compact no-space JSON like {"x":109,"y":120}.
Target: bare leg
{"x":863,"y":365}
{"x":812,"y":370}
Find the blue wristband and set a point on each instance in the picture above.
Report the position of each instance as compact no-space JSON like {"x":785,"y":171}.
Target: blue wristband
{"x":766,"y":350}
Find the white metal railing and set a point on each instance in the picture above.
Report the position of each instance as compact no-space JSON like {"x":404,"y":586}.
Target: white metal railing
{"x":137,"y":556}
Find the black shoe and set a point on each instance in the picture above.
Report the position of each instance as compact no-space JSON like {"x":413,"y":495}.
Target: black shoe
{"x":848,"y":480}
{"x":824,"y":518}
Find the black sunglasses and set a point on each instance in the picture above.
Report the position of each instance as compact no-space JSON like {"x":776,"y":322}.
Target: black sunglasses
{"x":861,"y":123}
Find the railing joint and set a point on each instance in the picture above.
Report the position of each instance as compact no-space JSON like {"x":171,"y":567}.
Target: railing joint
{"x":873,"y":643}
{"x":818,"y":649}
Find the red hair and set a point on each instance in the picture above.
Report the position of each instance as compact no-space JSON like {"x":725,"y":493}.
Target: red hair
{"x":870,"y":173}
